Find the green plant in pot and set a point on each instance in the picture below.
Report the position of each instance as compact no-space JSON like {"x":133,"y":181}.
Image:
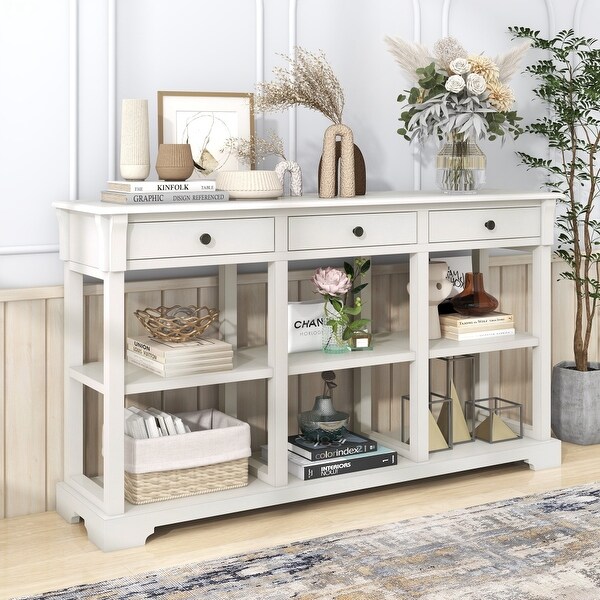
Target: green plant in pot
{"x":568,"y":76}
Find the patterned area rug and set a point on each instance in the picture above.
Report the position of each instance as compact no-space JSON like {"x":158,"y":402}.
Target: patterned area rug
{"x":539,"y":547}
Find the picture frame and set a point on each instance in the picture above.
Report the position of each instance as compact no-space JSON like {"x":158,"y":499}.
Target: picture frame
{"x":205,"y":120}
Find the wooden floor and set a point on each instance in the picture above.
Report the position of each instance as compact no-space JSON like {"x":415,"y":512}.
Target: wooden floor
{"x":39,"y":553}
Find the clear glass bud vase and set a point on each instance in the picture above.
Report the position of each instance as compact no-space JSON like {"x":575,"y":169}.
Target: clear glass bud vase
{"x":333,"y":340}
{"x":460,"y":166}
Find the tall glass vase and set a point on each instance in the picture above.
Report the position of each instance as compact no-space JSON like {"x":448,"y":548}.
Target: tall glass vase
{"x":460,"y":166}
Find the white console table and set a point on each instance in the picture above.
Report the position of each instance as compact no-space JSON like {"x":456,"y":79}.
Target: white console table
{"x":106,"y":240}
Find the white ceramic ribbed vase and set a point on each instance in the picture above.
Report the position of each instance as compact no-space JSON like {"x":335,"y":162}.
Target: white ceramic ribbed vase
{"x":134,"y":162}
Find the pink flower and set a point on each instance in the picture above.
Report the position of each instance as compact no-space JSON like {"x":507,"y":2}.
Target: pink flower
{"x":331,"y":281}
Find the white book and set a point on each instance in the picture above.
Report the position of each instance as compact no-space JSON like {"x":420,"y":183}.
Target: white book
{"x":167,"y":419}
{"x":167,"y":351}
{"x":135,"y":426}
{"x":196,"y":185}
{"x":180,"y":359}
{"x":478,"y":335}
{"x":150,"y":422}
{"x":157,"y":368}
{"x":180,"y":427}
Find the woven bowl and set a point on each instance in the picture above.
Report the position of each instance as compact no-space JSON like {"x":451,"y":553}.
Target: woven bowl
{"x":177,"y":323}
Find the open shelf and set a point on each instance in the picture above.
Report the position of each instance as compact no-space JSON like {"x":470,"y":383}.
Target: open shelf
{"x":446,"y":347}
{"x":248,"y":364}
{"x":387,"y":348}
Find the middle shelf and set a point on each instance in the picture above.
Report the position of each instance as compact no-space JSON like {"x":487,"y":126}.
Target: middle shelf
{"x":251,"y":364}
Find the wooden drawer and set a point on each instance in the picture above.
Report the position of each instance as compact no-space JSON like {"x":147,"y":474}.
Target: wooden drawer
{"x":483,"y":224}
{"x":169,"y":239}
{"x":319,"y":232}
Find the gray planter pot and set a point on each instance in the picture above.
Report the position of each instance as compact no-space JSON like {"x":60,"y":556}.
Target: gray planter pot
{"x":576,"y":403}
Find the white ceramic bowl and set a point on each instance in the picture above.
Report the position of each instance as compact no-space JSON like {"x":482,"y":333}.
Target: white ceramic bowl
{"x":250,"y":184}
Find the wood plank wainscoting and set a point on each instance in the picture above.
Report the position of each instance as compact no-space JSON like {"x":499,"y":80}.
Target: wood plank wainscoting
{"x":31,"y":367}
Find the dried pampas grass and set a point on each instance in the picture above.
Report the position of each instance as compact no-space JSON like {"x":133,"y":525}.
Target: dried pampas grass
{"x":309,"y":81}
{"x":509,"y":63}
{"x":409,"y":55}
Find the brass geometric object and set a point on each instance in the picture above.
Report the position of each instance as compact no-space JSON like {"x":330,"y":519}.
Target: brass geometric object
{"x":460,"y":429}
{"x":493,"y":428}
{"x":436,"y":438}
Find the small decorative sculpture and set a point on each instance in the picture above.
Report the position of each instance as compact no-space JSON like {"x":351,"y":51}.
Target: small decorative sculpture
{"x":439,"y":289}
{"x":324,"y":423}
{"x":328,"y":169}
{"x":293,"y":168}
{"x":329,"y":165}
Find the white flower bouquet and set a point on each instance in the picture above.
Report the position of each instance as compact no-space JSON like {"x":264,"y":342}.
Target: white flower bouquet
{"x":455,"y":92}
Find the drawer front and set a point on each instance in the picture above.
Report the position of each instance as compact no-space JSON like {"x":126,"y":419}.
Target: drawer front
{"x":171,"y":239}
{"x":483,"y":224}
{"x":319,"y":232}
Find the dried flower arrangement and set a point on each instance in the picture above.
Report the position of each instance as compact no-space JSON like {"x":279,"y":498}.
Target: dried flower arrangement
{"x":456,"y":91}
{"x":309,"y":81}
{"x":256,"y":149}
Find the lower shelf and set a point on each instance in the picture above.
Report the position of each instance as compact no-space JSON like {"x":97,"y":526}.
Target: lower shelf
{"x":132,"y":528}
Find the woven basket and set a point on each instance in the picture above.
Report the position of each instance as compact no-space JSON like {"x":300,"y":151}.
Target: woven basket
{"x":142,"y":488}
{"x":177,"y":323}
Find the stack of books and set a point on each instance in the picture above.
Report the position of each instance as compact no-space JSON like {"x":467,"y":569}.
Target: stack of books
{"x":171,"y":359}
{"x":156,"y":192}
{"x":309,"y":460}
{"x":148,"y":423}
{"x":460,"y":328}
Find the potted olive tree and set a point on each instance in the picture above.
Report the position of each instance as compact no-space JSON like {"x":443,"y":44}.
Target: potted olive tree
{"x":568,"y":76}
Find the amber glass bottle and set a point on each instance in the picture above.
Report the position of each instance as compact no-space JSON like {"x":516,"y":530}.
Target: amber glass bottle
{"x":474,"y":300}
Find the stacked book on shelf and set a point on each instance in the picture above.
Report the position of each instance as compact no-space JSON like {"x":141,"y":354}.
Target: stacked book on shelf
{"x":157,"y":192}
{"x":148,"y":423}
{"x":310,"y":460}
{"x":461,"y":328}
{"x":172,"y":359}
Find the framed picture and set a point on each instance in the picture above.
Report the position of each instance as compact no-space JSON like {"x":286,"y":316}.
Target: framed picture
{"x":204,"y":120}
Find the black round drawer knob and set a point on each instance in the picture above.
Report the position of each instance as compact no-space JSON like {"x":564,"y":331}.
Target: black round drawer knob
{"x":491,"y":225}
{"x":205,"y":239}
{"x":358,"y":231}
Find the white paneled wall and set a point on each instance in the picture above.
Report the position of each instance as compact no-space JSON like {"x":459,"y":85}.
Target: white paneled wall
{"x":68,"y":63}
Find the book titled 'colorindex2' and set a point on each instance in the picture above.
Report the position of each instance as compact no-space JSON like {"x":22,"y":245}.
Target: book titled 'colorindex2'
{"x":351,"y":445}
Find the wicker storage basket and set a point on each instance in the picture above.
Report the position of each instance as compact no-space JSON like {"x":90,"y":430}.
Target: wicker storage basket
{"x":213,"y":457}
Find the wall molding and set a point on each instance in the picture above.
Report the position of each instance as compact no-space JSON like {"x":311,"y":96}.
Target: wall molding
{"x":577,"y":16}
{"x":33,"y":249}
{"x":111,"y":88}
{"x":73,"y":100}
{"x":292,"y":112}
